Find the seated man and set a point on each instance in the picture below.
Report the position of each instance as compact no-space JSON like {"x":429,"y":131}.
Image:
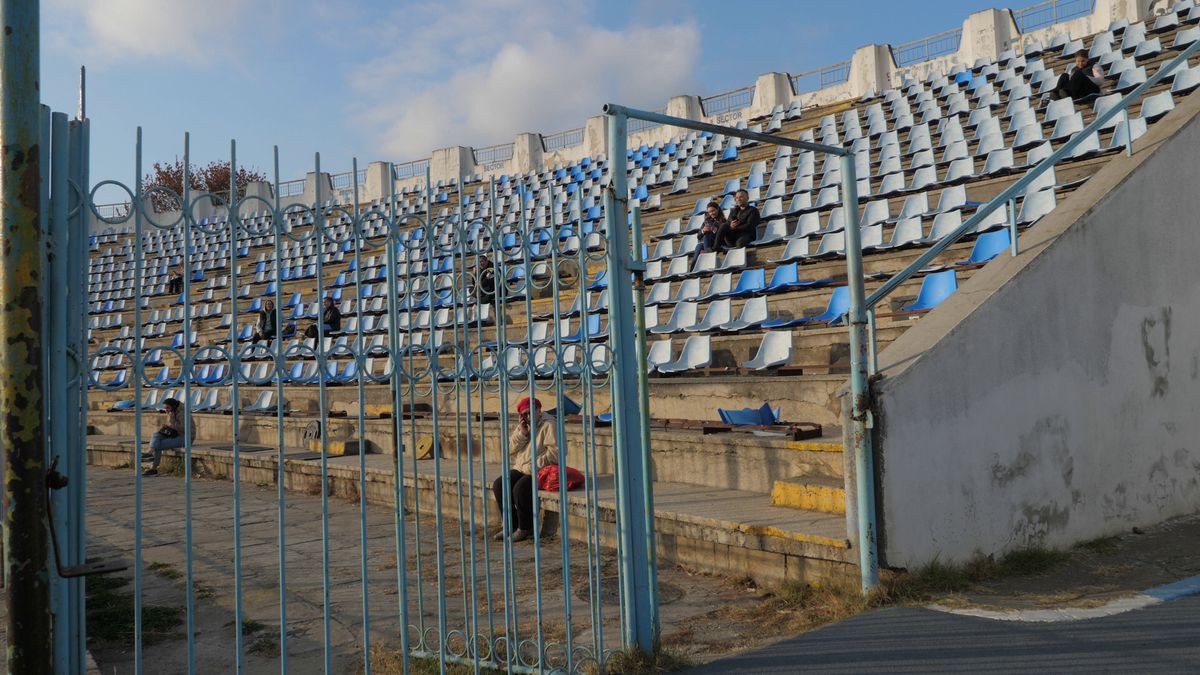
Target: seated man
{"x":1081,"y":82}
{"x":331,"y":319}
{"x":742,"y":227}
{"x":535,"y":429}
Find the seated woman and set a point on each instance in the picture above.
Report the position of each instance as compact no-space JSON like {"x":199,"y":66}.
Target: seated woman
{"x":714,"y":219}
{"x":534,"y":430}
{"x":168,"y":437}
{"x":1081,"y":82}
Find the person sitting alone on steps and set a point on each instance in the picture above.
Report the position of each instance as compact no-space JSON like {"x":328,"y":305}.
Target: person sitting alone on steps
{"x":742,"y":227}
{"x":535,"y":430}
{"x":168,"y":437}
{"x":1083,"y":81}
{"x":268,"y":323}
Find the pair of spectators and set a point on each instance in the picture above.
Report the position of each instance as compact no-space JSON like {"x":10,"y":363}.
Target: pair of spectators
{"x":268,"y":321}
{"x":719,"y":234}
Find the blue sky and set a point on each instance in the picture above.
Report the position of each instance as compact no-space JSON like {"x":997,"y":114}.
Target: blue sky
{"x":392,"y":80}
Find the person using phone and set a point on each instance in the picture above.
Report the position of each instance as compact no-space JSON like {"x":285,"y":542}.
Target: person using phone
{"x":1081,"y":82}
{"x":168,"y":437}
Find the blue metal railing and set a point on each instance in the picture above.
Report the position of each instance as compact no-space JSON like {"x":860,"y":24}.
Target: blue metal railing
{"x":417,"y":167}
{"x":820,"y":78}
{"x":290,"y":188}
{"x":729,"y":101}
{"x":1049,"y":13}
{"x":563,"y":139}
{"x":1007,"y":198}
{"x":927,"y":48}
{"x":494,"y":153}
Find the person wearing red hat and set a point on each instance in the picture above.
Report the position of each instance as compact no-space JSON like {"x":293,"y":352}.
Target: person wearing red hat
{"x":533,"y":433}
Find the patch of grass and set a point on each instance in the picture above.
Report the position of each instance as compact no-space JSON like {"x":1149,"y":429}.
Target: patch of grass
{"x":110,"y":615}
{"x":636,"y":662}
{"x":386,"y":660}
{"x":937,"y":577}
{"x":250,"y":626}
{"x":267,"y":645}
{"x":172,"y":466}
{"x":164,"y":570}
{"x":1101,"y":546}
{"x":202,"y":591}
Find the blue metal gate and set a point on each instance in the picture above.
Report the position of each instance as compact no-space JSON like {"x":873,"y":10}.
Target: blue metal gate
{"x":459,"y":303}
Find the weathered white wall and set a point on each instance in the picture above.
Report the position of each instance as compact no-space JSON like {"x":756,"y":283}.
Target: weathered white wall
{"x":1054,"y":398}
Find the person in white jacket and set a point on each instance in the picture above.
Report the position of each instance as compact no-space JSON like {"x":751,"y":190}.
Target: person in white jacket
{"x":533,"y":432}
{"x":1082,"y":81}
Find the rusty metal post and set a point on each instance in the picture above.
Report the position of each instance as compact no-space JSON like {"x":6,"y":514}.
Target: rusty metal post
{"x":26,"y":571}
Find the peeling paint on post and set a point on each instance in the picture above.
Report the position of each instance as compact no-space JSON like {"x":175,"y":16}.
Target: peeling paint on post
{"x":27,"y":582}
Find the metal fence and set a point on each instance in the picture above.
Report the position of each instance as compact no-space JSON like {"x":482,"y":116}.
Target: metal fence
{"x":290,"y":188}
{"x":416,"y":167}
{"x":563,"y":139}
{"x":112,"y":211}
{"x":728,"y":101}
{"x":927,"y":48}
{"x":494,"y":153}
{"x":820,"y":78}
{"x":1052,"y":12}
{"x":436,"y":356}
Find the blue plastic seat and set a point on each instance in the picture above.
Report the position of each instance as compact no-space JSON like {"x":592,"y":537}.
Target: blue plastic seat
{"x":934,"y":289}
{"x":594,"y":330}
{"x":749,"y":283}
{"x":839,"y":304}
{"x":786,"y":277}
{"x":762,"y":416}
{"x":988,"y":246}
{"x":730,"y":152}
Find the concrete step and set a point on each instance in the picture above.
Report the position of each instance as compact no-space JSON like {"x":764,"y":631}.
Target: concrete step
{"x":713,"y":530}
{"x":725,"y":460}
{"x":810,"y":493}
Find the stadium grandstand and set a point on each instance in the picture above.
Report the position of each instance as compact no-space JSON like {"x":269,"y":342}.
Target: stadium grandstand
{"x":747,"y":351}
{"x":730,"y":330}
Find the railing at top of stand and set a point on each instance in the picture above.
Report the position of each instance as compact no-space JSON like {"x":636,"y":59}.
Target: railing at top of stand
{"x":563,"y":139}
{"x":827,"y":76}
{"x":927,"y":48}
{"x":291,"y":188}
{"x":728,"y":101}
{"x":638,"y":125}
{"x":119,"y":210}
{"x":494,"y":153}
{"x":1009,"y":195}
{"x":1049,"y":13}
{"x":417,"y":167}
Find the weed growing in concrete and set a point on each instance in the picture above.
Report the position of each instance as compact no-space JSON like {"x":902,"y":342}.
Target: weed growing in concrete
{"x":164,"y":570}
{"x":110,"y":615}
{"x":1101,"y":546}
{"x":636,"y":662}
{"x":387,"y":660}
{"x":936,"y":577}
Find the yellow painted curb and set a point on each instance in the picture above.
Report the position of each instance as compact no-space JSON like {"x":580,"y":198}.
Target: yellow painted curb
{"x":334,"y":448}
{"x":823,"y":498}
{"x":815,"y":446}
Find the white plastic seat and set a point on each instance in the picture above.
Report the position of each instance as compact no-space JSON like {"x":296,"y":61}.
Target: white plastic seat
{"x":716,"y":315}
{"x":796,"y":249}
{"x":774,"y":350}
{"x":658,"y":354}
{"x":753,"y":313}
{"x":1035,"y":205}
{"x":683,"y":315}
{"x":696,"y":354}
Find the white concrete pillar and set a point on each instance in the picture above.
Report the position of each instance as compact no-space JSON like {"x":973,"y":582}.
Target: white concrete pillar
{"x":449,"y":164}
{"x":527,"y":153}
{"x":595,"y":136}
{"x":311,"y":180}
{"x":871,"y":69}
{"x":985,"y":35}
{"x":1107,"y":11}
{"x":258,"y":196}
{"x":687,"y":107}
{"x":770,"y":90}
{"x":379,"y":174}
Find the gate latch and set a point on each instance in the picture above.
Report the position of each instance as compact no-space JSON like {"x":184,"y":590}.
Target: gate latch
{"x":57,"y":481}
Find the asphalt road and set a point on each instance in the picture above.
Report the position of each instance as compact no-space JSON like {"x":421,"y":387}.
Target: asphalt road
{"x":1162,"y":638}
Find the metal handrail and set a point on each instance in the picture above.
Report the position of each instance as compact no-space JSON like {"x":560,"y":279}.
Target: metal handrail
{"x":737,"y":99}
{"x":923,"y":49}
{"x":1057,"y":11}
{"x":1014,"y":190}
{"x":828,"y":76}
{"x":563,"y":139}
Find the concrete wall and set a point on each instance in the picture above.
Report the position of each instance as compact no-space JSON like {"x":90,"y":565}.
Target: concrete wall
{"x":1053,"y":398}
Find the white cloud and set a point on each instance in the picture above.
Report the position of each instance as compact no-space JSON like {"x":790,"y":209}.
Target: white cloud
{"x":197,"y":33}
{"x":477,"y":72}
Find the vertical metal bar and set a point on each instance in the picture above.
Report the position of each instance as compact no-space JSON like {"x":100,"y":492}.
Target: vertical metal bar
{"x":872,"y":343}
{"x":138,"y":292}
{"x":643,"y":386}
{"x":1128,"y":130}
{"x":278,"y":227}
{"x":635,"y":524}
{"x":860,"y":401}
{"x":185,"y":373}
{"x":66,"y":624}
{"x":356,"y":354}
{"x":320,"y":222}
{"x":1012,"y":226}
{"x":77,"y":401}
{"x":26,"y":565}
{"x":235,"y":224}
